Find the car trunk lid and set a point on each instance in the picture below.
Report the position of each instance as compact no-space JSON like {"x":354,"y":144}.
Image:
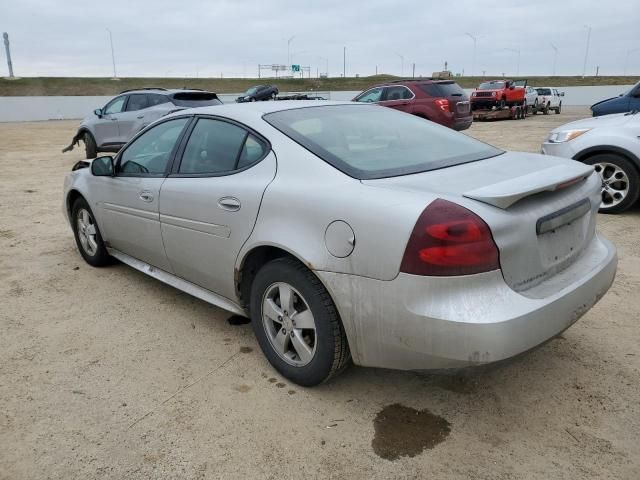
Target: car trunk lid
{"x":541,"y":210}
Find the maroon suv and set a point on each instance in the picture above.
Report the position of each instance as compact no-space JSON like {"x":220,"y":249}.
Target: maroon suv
{"x":441,"y":101}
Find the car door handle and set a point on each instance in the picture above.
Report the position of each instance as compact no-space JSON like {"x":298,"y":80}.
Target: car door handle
{"x":230,"y":204}
{"x":146,"y":196}
{"x":140,"y":116}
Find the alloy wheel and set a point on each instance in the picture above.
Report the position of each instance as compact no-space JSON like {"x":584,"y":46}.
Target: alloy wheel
{"x":289,"y":324}
{"x":87,"y":232}
{"x":615,"y":184}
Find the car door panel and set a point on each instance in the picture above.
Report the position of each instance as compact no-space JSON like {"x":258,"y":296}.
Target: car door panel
{"x":127,"y":205}
{"x":131,"y":220}
{"x":106,"y":127}
{"x":202,"y":229}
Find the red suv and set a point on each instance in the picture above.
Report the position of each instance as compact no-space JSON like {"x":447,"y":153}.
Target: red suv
{"x":441,"y":101}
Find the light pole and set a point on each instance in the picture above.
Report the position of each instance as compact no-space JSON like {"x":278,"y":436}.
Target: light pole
{"x":475,"y":44}
{"x":5,"y":35}
{"x":586,"y":51}
{"x":113,"y":57}
{"x":626,"y":58}
{"x":555,"y":58}
{"x":344,"y":62}
{"x":401,"y":64}
{"x":289,"y":50}
{"x":518,"y":52}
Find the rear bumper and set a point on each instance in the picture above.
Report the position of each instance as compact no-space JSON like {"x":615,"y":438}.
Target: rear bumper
{"x":425,"y":323}
{"x":462,"y":123}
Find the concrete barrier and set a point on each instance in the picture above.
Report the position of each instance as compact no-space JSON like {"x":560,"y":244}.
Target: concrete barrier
{"x":24,"y":109}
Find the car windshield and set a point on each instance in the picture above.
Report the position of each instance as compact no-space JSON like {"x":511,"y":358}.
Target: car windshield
{"x":491,"y":86}
{"x":544,"y":91}
{"x":627,"y":92}
{"x":368,"y":141}
{"x":251,"y":91}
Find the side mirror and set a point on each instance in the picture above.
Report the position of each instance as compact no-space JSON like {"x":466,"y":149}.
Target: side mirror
{"x":102,"y":166}
{"x":98,"y":112}
{"x":562,"y":94}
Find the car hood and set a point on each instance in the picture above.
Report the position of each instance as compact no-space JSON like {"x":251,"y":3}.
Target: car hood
{"x":615,"y":119}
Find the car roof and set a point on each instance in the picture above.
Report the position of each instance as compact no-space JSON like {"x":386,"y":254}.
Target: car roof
{"x":162,"y":91}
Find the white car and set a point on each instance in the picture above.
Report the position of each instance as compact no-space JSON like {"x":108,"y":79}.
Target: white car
{"x":549,"y":99}
{"x":531,"y":97}
{"x":611,"y":144}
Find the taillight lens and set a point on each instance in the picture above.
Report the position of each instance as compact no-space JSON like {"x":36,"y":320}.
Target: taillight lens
{"x":448,"y":240}
{"x":442,"y":104}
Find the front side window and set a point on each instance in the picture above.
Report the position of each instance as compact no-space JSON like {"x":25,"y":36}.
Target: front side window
{"x":137,"y":102}
{"x":366,"y":141}
{"x":115,"y":106}
{"x":544,"y":91}
{"x":216,"y":147}
{"x":150,"y":152}
{"x":370,"y":96}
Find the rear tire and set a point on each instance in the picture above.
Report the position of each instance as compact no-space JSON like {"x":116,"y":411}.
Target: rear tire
{"x":87,"y":235}
{"x":502,"y":103}
{"x":90,"y":147}
{"x":535,"y":107}
{"x":325,"y":351}
{"x":273,"y":95}
{"x":621,"y":182}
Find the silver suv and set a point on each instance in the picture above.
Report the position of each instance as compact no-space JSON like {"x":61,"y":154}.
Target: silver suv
{"x":107,"y":129}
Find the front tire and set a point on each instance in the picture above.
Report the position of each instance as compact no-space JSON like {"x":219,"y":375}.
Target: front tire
{"x":297,"y":324}
{"x":620,"y":182}
{"x":87,"y":235}
{"x":545,"y":109}
{"x":90,"y":147}
{"x":559,"y":109}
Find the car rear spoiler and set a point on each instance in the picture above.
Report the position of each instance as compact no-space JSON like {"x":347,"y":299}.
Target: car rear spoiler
{"x":506,"y":193}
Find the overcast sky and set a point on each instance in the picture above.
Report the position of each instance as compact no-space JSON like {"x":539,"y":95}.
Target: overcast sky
{"x":209,"y":38}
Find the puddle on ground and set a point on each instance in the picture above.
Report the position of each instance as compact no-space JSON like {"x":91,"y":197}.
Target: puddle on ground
{"x":238,"y":320}
{"x":405,"y":432}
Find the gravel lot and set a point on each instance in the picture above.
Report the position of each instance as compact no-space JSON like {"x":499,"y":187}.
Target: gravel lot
{"x":111,"y":374}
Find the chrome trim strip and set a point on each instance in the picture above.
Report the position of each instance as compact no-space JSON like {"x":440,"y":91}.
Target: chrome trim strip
{"x":179,"y":283}
{"x":132,"y":211}
{"x":203,"y":227}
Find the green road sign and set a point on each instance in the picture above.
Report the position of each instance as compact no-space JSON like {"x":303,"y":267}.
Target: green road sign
{"x":295,"y":68}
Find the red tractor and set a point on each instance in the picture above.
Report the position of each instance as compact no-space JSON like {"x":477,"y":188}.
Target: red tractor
{"x":499,"y":94}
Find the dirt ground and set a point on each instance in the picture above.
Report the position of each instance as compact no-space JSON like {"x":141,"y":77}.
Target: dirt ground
{"x":106,"y":373}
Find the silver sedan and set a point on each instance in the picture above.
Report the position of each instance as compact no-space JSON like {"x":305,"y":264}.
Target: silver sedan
{"x":350,"y":232}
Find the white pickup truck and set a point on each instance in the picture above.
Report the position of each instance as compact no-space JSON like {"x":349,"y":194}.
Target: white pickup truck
{"x":549,"y":99}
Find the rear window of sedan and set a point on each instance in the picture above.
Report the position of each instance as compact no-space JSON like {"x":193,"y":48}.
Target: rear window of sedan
{"x":195,"y":99}
{"x":368,"y":141}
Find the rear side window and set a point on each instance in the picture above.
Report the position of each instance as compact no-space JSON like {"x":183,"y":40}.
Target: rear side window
{"x":154,"y":99}
{"x":216,"y":147}
{"x":366,"y":141}
{"x":449,"y":89}
{"x":195,"y":99}
{"x":137,"y":102}
{"x":398,"y":93}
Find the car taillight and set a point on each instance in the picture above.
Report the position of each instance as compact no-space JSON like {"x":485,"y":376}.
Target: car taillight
{"x":442,"y":104}
{"x":448,"y":240}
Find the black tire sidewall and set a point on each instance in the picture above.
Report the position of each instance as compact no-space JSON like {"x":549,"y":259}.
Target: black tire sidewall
{"x":632,"y":174}
{"x":321,"y":366}
{"x":90,"y":148}
{"x":101,"y":256}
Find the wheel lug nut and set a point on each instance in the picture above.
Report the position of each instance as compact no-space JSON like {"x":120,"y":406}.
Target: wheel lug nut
{"x":291,"y":333}
{"x":280,"y":317}
{"x":284,"y":331}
